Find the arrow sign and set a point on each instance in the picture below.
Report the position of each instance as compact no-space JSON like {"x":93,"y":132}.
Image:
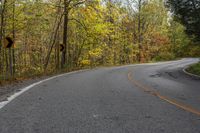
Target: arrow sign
{"x":62,"y":47}
{"x":9,"y":42}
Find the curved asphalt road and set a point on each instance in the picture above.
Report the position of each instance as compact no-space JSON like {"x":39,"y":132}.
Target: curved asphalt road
{"x":105,"y":101}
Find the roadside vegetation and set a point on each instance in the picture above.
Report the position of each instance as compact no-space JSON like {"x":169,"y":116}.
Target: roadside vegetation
{"x":53,"y":36}
{"x":194,"y":69}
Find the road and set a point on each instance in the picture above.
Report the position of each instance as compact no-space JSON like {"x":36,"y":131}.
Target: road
{"x":147,"y":98}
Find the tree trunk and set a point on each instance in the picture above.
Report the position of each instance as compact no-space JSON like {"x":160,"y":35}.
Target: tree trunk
{"x":139,"y":31}
{"x":13,"y":50}
{"x":65,"y":38}
{"x":2,"y":35}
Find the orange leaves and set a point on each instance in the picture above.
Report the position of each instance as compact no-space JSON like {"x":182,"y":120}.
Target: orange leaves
{"x":159,"y":39}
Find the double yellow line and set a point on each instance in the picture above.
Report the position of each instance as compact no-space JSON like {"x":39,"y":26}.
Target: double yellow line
{"x":153,"y":92}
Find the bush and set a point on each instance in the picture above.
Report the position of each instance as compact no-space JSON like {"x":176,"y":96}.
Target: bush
{"x":195,"y":69}
{"x":165,"y":56}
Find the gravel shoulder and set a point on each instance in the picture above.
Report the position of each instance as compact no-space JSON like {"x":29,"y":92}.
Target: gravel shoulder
{"x":10,"y":89}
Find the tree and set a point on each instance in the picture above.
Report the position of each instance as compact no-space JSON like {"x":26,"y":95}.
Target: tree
{"x":68,"y":5}
{"x":187,"y":12}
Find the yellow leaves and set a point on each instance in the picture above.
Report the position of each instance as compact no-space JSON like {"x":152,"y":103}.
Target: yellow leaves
{"x":85,"y":62}
{"x":95,"y":53}
{"x":101,"y":29}
{"x":92,"y":55}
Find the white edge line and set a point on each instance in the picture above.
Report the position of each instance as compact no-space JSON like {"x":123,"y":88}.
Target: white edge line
{"x":15,"y":95}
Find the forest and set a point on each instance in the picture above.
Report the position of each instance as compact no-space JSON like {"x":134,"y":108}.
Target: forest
{"x":39,"y":37}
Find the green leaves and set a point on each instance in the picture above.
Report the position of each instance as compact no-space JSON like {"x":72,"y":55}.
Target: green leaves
{"x":187,"y":12}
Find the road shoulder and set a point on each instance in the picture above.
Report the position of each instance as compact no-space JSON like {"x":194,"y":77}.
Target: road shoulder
{"x":10,"y":92}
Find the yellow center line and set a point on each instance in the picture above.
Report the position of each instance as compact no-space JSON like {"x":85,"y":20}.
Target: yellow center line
{"x":153,"y":92}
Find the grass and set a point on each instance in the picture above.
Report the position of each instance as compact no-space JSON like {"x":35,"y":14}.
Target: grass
{"x":194,"y":69}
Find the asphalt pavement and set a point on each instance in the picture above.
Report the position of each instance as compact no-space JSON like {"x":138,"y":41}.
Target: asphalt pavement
{"x":107,"y":100}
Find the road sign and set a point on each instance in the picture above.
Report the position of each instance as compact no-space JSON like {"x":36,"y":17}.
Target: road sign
{"x":8,"y":42}
{"x":62,"y":47}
